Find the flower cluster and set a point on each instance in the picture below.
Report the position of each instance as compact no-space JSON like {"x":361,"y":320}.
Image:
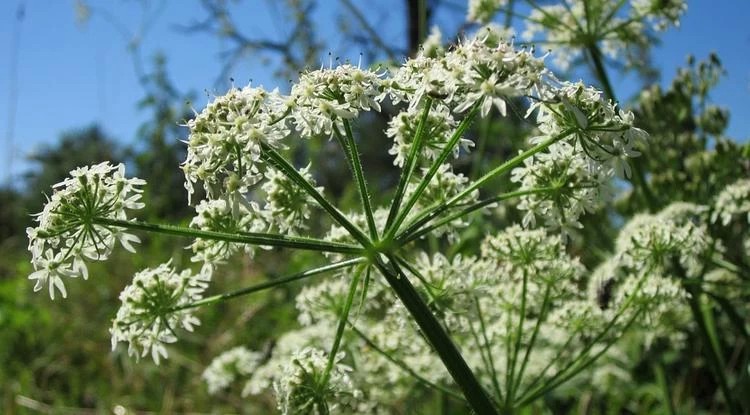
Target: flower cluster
{"x":575,"y":173}
{"x":305,"y":386}
{"x":153,"y":307}
{"x":483,"y":11}
{"x":288,"y":207}
{"x":517,"y":312}
{"x":322,"y":98}
{"x":71,"y":230}
{"x":655,"y":244}
{"x":226,"y":138}
{"x":572,"y":26}
{"x":438,"y":127}
{"x":225,"y":217}
{"x":225,"y":368}
{"x":732,"y":202}
{"x":477,"y":71}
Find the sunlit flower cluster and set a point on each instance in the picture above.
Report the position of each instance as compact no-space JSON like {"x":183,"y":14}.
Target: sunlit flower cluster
{"x":569,"y":27}
{"x":304,"y":385}
{"x":288,"y":207}
{"x":733,"y":202}
{"x":228,"y":218}
{"x":225,"y":141}
{"x":576,"y":173}
{"x":153,"y":308}
{"x":70,"y":230}
{"x":324,"y":97}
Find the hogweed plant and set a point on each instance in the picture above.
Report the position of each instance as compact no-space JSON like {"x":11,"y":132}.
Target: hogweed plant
{"x":494,"y":331}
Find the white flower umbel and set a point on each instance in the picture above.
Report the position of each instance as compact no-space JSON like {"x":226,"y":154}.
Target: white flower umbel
{"x":225,"y":141}
{"x":569,"y":29}
{"x":605,"y":133}
{"x":147,"y":319}
{"x":483,"y":11}
{"x":733,"y":202}
{"x":324,"y":97}
{"x":576,"y":172}
{"x":221,"y":216}
{"x":225,"y":368}
{"x":660,"y":13}
{"x":304,"y":387}
{"x":68,"y":233}
{"x":438,"y":128}
{"x":652,"y":243}
{"x":288,"y":206}
{"x":575,"y":183}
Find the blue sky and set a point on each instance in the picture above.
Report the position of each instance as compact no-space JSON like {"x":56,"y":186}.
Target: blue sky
{"x":71,"y":75}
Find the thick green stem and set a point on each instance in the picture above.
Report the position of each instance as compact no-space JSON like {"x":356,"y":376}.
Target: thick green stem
{"x":270,"y":284}
{"x":454,"y":362}
{"x":250,"y":238}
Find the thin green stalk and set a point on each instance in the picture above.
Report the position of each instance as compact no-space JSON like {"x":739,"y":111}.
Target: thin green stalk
{"x":498,"y":171}
{"x":476,"y":165}
{"x":279,"y":162}
{"x":576,"y":362}
{"x":250,"y":238}
{"x":530,"y":347}
{"x":517,"y":346}
{"x":483,"y":326}
{"x":410,"y":164}
{"x":403,"y":366}
{"x":356,"y":164}
{"x":661,"y":379}
{"x":723,"y":263}
{"x":713,"y":355}
{"x":563,"y":377}
{"x":454,"y":362}
{"x":343,"y":318}
{"x":413,"y":230}
{"x":462,"y":127}
{"x":508,"y":165}
{"x":270,"y":284}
